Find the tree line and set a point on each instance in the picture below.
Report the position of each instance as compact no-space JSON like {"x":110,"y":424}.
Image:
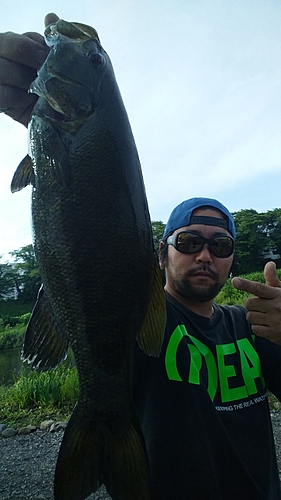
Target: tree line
{"x":258,"y":240}
{"x":20,"y":279}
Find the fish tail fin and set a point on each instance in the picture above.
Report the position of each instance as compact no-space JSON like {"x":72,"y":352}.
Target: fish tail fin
{"x":87,"y":460}
{"x":125,"y":470}
{"x":78,"y":468}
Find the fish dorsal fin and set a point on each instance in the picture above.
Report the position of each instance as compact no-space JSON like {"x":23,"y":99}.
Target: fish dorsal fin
{"x":150,"y":337}
{"x":23,"y":176}
{"x":45,"y":344}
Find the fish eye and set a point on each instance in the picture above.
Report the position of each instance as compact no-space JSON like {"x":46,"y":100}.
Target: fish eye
{"x":96,"y":58}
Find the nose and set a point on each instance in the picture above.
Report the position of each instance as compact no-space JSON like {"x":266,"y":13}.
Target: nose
{"x":204,"y":255}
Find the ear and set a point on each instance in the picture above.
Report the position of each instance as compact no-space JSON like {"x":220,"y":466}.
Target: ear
{"x":234,"y":266}
{"x":162,"y":259}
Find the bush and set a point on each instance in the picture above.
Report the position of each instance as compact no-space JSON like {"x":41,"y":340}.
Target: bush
{"x":39,"y":395}
{"x":230,"y":295}
{"x":12,"y":331}
{"x":24,"y":319}
{"x":45,"y":388}
{"x":10,"y":320}
{"x":11,"y":338}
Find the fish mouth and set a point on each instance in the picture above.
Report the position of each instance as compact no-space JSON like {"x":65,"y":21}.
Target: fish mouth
{"x":53,"y":113}
{"x":51,"y":107}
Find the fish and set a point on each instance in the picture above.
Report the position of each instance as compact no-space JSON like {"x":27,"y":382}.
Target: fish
{"x":101,"y":283}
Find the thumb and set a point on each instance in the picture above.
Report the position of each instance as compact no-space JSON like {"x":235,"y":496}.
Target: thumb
{"x":270,"y":275}
{"x":50,"y":18}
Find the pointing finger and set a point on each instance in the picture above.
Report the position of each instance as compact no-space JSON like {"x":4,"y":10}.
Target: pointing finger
{"x":50,"y":18}
{"x":255,"y":288}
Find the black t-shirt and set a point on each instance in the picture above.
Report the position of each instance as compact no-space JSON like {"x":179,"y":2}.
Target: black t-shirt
{"x":203,"y":408}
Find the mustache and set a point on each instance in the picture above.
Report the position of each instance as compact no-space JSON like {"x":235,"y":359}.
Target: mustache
{"x":204,"y":268}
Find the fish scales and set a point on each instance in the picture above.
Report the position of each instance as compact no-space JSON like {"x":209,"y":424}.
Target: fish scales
{"x":93,"y":241}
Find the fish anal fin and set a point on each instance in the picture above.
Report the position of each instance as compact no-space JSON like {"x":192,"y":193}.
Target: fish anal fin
{"x":45,"y":344}
{"x":23,"y":176}
{"x":151,"y":334}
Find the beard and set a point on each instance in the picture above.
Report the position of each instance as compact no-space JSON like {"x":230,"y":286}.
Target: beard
{"x":197,"y":293}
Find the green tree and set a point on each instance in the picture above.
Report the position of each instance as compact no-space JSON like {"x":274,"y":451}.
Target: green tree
{"x":26,"y":272}
{"x":273,"y":221}
{"x":7,"y":282}
{"x":157,"y":228}
{"x":252,"y":240}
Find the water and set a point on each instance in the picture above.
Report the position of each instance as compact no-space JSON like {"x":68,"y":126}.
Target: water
{"x":11,"y":364}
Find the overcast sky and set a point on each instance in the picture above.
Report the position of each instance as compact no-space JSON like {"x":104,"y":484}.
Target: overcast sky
{"x":201,"y":81}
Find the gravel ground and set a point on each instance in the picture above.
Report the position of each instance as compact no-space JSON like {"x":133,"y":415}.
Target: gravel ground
{"x":276,"y":423}
{"x":27,"y":464}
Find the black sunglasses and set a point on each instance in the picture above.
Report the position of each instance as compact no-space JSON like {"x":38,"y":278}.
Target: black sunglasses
{"x":189,"y":242}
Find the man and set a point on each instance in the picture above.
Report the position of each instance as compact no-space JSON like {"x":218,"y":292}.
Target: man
{"x":202,"y":404}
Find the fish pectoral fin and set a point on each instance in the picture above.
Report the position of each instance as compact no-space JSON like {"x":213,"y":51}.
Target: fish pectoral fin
{"x":53,"y":150}
{"x":151,"y":334}
{"x":45,"y":345}
{"x":23,"y":176}
{"x":89,"y":458}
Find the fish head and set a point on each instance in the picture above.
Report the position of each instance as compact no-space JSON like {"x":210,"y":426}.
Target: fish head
{"x":69,"y":79}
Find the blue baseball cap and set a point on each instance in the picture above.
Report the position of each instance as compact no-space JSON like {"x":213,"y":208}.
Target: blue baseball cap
{"x":182,"y":216}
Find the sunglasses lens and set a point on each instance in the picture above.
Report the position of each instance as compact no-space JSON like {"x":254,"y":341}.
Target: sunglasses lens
{"x":222,"y":246}
{"x":189,"y":243}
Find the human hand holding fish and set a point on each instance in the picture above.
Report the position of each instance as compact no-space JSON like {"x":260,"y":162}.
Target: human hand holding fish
{"x":20,"y":58}
{"x":264,"y":310}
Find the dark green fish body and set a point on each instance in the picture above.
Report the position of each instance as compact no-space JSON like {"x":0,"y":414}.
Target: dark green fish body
{"x":93,"y":242}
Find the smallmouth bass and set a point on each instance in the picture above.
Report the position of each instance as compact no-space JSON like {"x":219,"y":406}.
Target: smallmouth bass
{"x":102,"y":287}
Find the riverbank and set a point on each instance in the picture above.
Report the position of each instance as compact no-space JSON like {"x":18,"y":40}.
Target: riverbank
{"x":27,"y":467}
{"x":28,"y":462}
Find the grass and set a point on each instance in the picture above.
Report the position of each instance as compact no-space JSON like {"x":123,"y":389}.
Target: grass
{"x":11,"y":337}
{"x":35,"y":396}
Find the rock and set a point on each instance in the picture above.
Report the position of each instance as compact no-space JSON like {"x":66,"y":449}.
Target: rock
{"x":45,"y":426}
{"x":2,"y":427}
{"x":9,"y":432}
{"x":58,"y":426}
{"x":27,"y":430}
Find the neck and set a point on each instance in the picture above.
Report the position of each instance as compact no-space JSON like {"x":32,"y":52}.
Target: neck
{"x":202,"y":308}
